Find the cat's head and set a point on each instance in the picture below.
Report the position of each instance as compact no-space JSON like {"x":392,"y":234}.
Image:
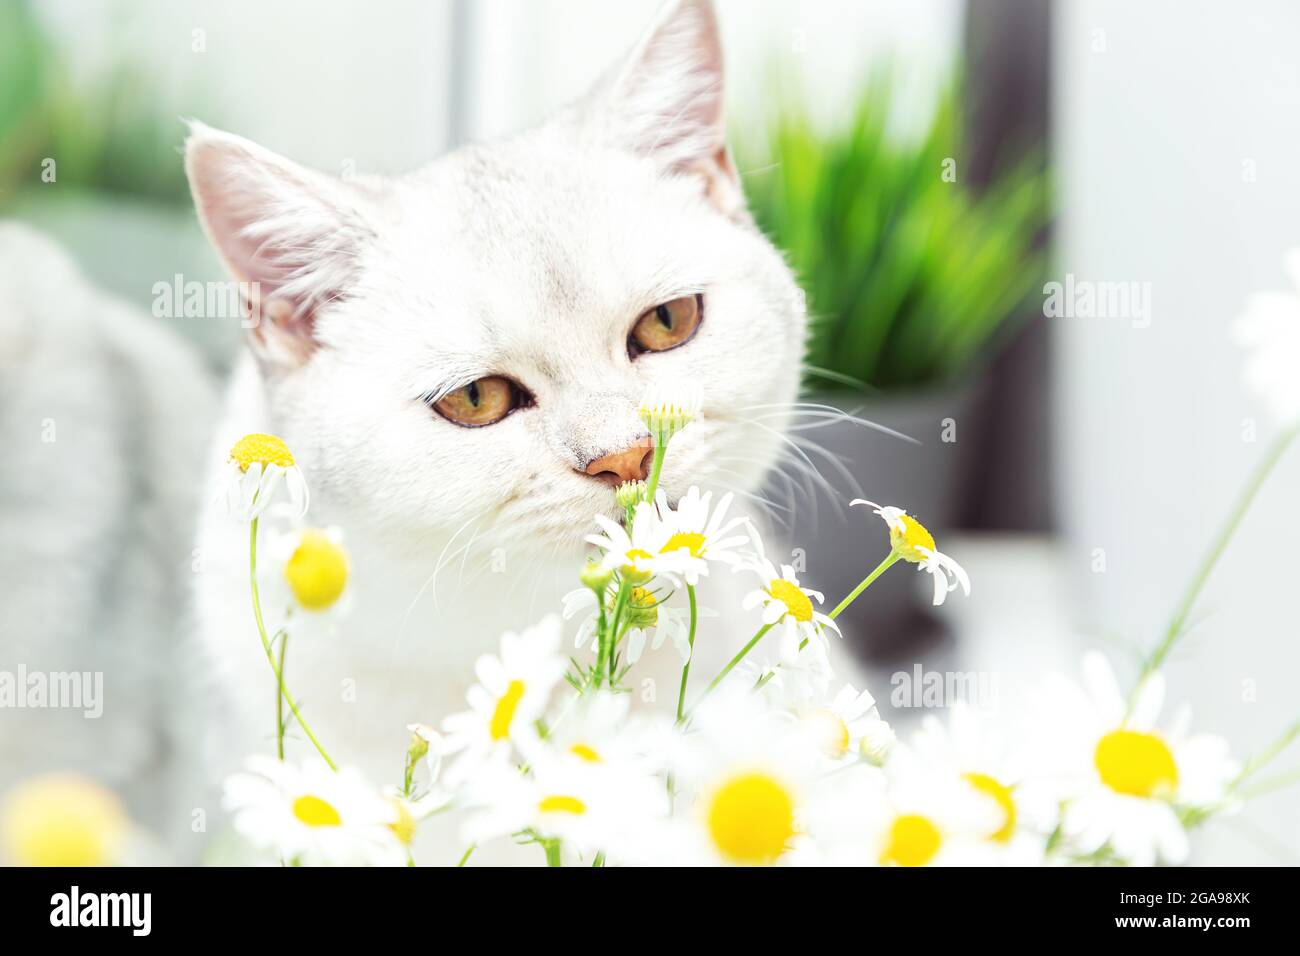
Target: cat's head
{"x":467,"y":345}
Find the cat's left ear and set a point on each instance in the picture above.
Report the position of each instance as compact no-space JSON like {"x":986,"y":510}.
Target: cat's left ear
{"x":666,"y":101}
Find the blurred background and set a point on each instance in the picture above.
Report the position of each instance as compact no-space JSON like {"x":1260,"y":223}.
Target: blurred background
{"x":928,"y":167}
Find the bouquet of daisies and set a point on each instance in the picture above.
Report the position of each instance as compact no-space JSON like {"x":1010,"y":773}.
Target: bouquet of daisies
{"x":770,"y":760}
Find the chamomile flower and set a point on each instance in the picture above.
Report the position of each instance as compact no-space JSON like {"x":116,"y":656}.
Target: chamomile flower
{"x":512,"y":692}
{"x":667,"y":411}
{"x":908,"y":816}
{"x":746,"y":773}
{"x":700,"y":530}
{"x":1269,"y":330}
{"x":968,"y":747}
{"x":590,"y":806}
{"x":839,"y":727}
{"x":788,"y":685}
{"x":257,"y":466}
{"x":638,"y":554}
{"x":1124,"y":781}
{"x":314,"y":816}
{"x":912,"y":542}
{"x":591,"y":782}
{"x":62,"y":820}
{"x":788,"y":607}
{"x":650,"y":617}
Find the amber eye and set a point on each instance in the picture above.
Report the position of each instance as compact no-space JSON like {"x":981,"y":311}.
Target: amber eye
{"x":666,"y":326}
{"x":484,"y":401}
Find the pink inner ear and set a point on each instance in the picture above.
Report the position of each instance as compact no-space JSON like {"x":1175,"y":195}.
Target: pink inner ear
{"x":667,"y":103}
{"x":273,"y":226}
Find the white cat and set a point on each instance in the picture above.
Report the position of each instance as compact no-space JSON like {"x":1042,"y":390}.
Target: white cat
{"x":514,"y":287}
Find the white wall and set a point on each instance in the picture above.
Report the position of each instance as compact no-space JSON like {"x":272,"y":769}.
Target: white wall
{"x":530,"y":56}
{"x":327,"y":83}
{"x":1153,"y":135}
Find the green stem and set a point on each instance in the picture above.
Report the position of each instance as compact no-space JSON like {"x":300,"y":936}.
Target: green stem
{"x":552,"y":848}
{"x":740,"y":656}
{"x":266,"y":646}
{"x":1242,"y":505}
{"x":408,"y":777}
{"x":661,"y":449}
{"x":690,"y":641}
{"x":1256,"y":763}
{"x":279,"y":698}
{"x":881,"y":568}
{"x":465,"y":857}
{"x":608,"y":641}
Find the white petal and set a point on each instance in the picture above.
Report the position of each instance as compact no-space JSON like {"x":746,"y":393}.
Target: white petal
{"x":635,"y":644}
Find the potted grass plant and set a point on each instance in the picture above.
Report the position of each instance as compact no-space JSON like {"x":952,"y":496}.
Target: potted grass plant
{"x":913,"y":280}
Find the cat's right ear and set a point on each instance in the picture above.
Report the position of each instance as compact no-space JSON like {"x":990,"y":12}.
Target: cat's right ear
{"x":288,"y":234}
{"x":665,"y":101}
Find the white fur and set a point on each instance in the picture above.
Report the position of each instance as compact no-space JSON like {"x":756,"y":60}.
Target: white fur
{"x":531,"y":258}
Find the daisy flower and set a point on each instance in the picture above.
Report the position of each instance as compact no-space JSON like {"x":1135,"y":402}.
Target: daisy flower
{"x":589,"y":806}
{"x":62,"y":820}
{"x":788,"y":685}
{"x":667,"y":411}
{"x":912,"y":542}
{"x":314,"y":569}
{"x":968,"y":747}
{"x":908,"y":816}
{"x":746,"y":774}
{"x":257,"y":465}
{"x":638,"y":554}
{"x":651,"y":617}
{"x":702,"y":532}
{"x":839,"y":728}
{"x":1123,"y":780}
{"x":511,"y":695}
{"x":591,"y":783}
{"x":314,"y":816}
{"x":787,"y":607}
{"x":1269,"y":330}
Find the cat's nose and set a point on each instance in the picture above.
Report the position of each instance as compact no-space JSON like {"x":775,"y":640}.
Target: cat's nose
{"x":630,"y":464}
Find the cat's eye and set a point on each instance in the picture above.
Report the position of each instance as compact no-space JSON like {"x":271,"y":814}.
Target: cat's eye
{"x":666,"y":326}
{"x":484,"y":401}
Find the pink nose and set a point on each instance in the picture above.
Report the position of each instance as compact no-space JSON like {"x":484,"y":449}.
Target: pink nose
{"x":630,"y":464}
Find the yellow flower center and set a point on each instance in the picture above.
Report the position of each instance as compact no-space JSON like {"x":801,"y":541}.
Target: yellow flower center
{"x":643,"y":608}
{"x":913,"y":536}
{"x":692,"y":541}
{"x":641,"y":598}
{"x":584,"y":752}
{"x":829,"y":731}
{"x":562,"y":804}
{"x":404,"y":826}
{"x":316,"y":812}
{"x":797,"y":604}
{"x":751,"y":819}
{"x":266,"y":449}
{"x":317,"y":571}
{"x":504,"y":713}
{"x":1001,"y":795}
{"x":632,"y":570}
{"x":62,"y":820}
{"x":913,"y":841}
{"x":1136,"y":763}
